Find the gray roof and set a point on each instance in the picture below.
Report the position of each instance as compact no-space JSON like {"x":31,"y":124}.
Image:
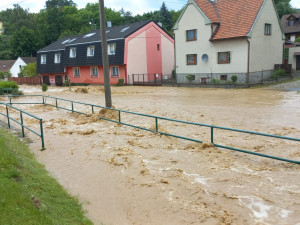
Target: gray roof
{"x":113,"y":33}
{"x":290,"y":29}
{"x":28,"y":60}
{"x":6,"y":65}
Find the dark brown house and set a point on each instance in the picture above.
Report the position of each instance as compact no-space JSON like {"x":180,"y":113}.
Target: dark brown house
{"x":291,"y":26}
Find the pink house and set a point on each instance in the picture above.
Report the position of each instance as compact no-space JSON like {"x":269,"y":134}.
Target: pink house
{"x":137,"y":48}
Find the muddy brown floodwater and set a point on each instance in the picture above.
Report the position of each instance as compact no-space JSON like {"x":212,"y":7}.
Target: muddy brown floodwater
{"x":127,"y":176}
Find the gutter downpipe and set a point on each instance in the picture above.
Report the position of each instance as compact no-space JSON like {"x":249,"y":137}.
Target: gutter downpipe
{"x":248,"y":64}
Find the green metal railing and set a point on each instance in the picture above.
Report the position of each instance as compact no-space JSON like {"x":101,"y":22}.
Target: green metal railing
{"x":21,"y":122}
{"x":157,"y":119}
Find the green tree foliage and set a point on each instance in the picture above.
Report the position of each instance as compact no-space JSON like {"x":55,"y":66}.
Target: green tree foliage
{"x":5,"y":75}
{"x":284,"y":7}
{"x":165,"y":17}
{"x":29,"y":70}
{"x":24,"y":43}
{"x":5,"y":50}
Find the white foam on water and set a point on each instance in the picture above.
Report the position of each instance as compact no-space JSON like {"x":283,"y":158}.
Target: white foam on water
{"x":257,"y":205}
{"x":285,"y":213}
{"x":197,"y":178}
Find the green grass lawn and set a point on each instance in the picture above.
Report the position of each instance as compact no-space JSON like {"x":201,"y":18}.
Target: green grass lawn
{"x":28,"y":195}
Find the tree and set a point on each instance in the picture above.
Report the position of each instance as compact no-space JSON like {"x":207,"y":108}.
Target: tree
{"x":284,"y":7}
{"x":5,"y":50}
{"x":29,"y":70}
{"x":165,"y":17}
{"x":5,"y":75}
{"x":24,"y":43}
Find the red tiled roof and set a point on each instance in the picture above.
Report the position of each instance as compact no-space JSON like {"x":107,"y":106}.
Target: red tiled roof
{"x":208,"y":7}
{"x":236,"y":16}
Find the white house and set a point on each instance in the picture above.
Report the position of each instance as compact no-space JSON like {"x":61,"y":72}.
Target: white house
{"x":19,"y":63}
{"x":221,"y":38}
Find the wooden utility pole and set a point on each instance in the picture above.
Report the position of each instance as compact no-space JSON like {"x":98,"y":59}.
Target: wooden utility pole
{"x":108,"y":102}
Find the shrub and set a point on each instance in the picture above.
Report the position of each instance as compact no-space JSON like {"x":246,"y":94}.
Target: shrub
{"x":44,"y":87}
{"x":216,"y":81}
{"x":66,"y":83}
{"x":190,"y":77}
{"x":277,"y":73}
{"x":5,"y":75}
{"x":234,"y":78}
{"x":297,"y":39}
{"x":8,"y":87}
{"x":120,"y":82}
{"x":173,"y":74}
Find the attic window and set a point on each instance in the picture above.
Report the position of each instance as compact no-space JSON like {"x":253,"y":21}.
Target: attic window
{"x":124,"y":29}
{"x":66,"y":41}
{"x":292,"y":21}
{"x":89,"y":35}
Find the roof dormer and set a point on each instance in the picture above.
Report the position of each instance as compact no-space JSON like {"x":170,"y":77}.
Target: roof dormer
{"x":291,"y":20}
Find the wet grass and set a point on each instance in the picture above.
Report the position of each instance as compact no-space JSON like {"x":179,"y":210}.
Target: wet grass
{"x":28,"y":195}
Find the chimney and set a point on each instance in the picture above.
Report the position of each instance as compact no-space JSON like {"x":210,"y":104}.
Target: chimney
{"x":109,"y":24}
{"x":159,"y":24}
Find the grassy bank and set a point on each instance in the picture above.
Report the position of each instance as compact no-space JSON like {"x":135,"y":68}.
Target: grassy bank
{"x":28,"y":195}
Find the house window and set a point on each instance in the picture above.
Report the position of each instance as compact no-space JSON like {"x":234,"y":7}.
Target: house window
{"x":291,"y":23}
{"x":223,"y":77}
{"x":111,"y":49}
{"x":115,"y":71}
{"x":57,"y":58}
{"x":43,"y":59}
{"x":191,"y":59}
{"x":158,"y":47}
{"x":223,"y":57}
{"x":72,"y":52}
{"x":268,"y":29}
{"x":94,"y":71}
{"x":191,"y":35}
{"x":91,"y":50}
{"x":76,"y":72}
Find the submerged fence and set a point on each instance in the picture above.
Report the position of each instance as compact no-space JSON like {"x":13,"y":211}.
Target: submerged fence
{"x":156,"y":119}
{"x":21,"y":121}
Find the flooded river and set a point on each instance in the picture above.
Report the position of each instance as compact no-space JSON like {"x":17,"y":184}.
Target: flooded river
{"x":125,"y":176}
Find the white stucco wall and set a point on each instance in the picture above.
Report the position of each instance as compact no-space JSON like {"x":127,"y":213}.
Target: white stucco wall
{"x":167,"y":51}
{"x":266,"y":50}
{"x":15,"y":69}
{"x":292,"y":57}
{"x":192,"y":19}
{"x":137,"y":56}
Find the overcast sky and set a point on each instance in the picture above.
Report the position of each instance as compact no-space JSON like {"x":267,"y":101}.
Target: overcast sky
{"x":135,"y":6}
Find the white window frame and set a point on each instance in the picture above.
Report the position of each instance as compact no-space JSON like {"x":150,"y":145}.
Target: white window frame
{"x":43,"y":59}
{"x":111,"y":71}
{"x":91,"y":50}
{"x":73,"y":52}
{"x":109,"y":49}
{"x":92,"y":70}
{"x":57,"y":58}
{"x":75,"y":68}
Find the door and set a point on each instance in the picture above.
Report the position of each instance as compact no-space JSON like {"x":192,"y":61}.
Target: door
{"x":58,"y":80}
{"x":297,"y":62}
{"x":46,"y":80}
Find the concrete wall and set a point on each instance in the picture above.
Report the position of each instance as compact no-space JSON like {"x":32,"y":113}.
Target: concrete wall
{"x":292,"y":57}
{"x":266,"y":50}
{"x":15,"y":69}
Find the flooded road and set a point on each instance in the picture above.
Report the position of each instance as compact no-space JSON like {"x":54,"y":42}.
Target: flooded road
{"x":127,"y":176}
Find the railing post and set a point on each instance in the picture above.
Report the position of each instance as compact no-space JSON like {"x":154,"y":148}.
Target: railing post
{"x":212,"y":134}
{"x":156,"y":124}
{"x":119,"y":116}
{"x":10,"y":100}
{"x":92,"y":109}
{"x":43,"y":100}
{"x":7,"y":114}
{"x":42,"y":134}
{"x":56,"y":102}
{"x":21,"y":117}
{"x":72,"y":107}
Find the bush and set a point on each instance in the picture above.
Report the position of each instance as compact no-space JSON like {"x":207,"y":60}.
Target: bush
{"x":234,"y":78}
{"x":120,"y":82}
{"x":173,"y":74}
{"x":66,"y":83}
{"x":216,"y":81}
{"x":44,"y":87}
{"x":5,"y":75}
{"x":9,"y":87}
{"x":297,"y":39}
{"x":190,"y":77}
{"x":278,"y":73}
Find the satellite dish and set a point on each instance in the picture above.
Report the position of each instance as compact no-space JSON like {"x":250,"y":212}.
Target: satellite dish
{"x":204,"y":57}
